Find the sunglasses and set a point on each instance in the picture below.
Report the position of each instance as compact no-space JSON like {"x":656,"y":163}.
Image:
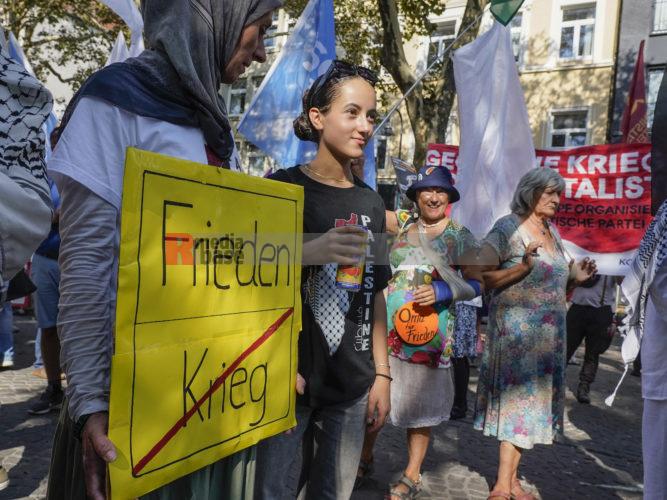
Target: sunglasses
{"x":341,"y":69}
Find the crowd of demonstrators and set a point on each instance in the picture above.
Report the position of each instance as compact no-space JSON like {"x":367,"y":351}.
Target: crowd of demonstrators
{"x":346,"y":371}
{"x":427,"y":253}
{"x":521,"y":387}
{"x":166,"y":100}
{"x":591,"y":318}
{"x":349,"y":383}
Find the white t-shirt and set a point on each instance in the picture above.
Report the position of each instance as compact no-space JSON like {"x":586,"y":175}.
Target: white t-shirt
{"x":98,"y":124}
{"x":91,"y":151}
{"x":654,"y":341}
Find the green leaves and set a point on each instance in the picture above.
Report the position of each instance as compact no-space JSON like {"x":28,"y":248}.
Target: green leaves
{"x":67,"y":39}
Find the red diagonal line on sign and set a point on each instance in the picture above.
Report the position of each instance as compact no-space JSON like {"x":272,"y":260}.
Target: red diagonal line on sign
{"x":216,"y":385}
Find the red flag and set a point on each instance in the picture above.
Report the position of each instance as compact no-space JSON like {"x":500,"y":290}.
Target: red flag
{"x":633,"y":124}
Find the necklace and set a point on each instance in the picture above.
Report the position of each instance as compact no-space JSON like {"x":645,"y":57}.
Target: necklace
{"x":426,"y":226}
{"x":541,"y":227}
{"x":311,"y":171}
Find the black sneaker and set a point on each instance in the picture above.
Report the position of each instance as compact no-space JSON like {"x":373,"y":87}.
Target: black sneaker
{"x":458,"y":412}
{"x":50,"y":400}
{"x":583,"y":393}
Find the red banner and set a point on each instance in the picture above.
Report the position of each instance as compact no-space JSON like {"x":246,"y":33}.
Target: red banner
{"x":606,"y":206}
{"x":634,"y":125}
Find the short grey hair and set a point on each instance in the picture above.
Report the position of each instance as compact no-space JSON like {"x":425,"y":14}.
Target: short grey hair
{"x":531,"y":186}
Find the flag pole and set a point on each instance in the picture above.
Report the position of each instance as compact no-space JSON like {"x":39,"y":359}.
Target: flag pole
{"x":395,"y":107}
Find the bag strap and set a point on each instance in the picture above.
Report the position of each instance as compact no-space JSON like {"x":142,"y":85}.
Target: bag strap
{"x":604,"y":290}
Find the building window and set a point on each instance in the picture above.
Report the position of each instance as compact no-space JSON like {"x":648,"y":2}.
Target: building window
{"x":256,"y":161}
{"x":443,"y":35}
{"x":659,"y":15}
{"x":237,"y":97}
{"x":655,"y":76}
{"x":576,"y":33}
{"x":569,"y":128}
{"x":270,"y":38}
{"x":516,"y":28}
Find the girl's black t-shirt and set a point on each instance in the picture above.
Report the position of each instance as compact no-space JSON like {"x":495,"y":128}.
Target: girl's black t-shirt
{"x":336,"y":342}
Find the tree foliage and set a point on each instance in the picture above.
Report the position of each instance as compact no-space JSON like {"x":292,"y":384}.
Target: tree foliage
{"x":68,"y":39}
{"x":374,"y":33}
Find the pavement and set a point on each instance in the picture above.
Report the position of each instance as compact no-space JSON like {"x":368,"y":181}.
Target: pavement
{"x":598,"y":458}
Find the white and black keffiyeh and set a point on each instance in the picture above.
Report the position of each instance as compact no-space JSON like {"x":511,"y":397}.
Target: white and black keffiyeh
{"x":25,"y":200}
{"x":329,"y":304}
{"x":650,"y":256}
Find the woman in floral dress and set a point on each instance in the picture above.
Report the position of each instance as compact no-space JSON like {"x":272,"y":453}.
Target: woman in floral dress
{"x":520,"y":393}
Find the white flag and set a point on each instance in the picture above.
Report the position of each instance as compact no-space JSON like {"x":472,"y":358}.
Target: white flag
{"x":119,"y":51}
{"x":496,"y":141}
{"x":127,"y":10}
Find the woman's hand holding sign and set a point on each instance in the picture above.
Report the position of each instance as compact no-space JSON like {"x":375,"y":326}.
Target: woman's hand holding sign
{"x":97,"y":451}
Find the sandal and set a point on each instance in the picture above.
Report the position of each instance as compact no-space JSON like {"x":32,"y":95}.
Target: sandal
{"x":523,"y":495}
{"x":499,"y":494}
{"x":364,"y":470}
{"x":414,"y":487}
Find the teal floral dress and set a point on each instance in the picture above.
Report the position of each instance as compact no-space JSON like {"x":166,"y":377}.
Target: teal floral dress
{"x":411,"y":267}
{"x":520,"y":393}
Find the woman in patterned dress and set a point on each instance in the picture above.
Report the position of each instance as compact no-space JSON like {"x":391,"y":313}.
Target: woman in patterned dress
{"x":422,"y":390}
{"x":520,"y":394}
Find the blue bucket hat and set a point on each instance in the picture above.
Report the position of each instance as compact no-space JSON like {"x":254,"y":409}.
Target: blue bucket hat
{"x":434,"y":177}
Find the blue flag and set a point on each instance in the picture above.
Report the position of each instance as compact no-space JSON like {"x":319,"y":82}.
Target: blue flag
{"x":307,"y":54}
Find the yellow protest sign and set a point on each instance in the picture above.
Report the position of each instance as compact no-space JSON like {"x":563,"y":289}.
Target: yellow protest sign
{"x":207,"y":318}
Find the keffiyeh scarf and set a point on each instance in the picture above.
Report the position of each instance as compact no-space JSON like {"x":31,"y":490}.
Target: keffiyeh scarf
{"x":25,"y":200}
{"x":651,"y":256}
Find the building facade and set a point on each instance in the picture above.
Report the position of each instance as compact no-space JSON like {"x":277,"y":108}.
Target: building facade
{"x":640,"y":20}
{"x":565,"y":56}
{"x":565,"y":52}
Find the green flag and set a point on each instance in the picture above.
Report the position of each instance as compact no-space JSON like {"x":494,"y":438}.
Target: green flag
{"x":504,"y":10}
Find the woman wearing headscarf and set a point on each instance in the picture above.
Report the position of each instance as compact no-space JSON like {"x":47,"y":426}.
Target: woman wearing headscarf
{"x":165,"y":101}
{"x":521,"y":388}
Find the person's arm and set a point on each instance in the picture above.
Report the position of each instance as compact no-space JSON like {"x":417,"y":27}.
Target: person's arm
{"x":494,"y":277}
{"x":88,"y":228}
{"x":25,"y":220}
{"x":378,"y":397}
{"x":392,"y":222}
